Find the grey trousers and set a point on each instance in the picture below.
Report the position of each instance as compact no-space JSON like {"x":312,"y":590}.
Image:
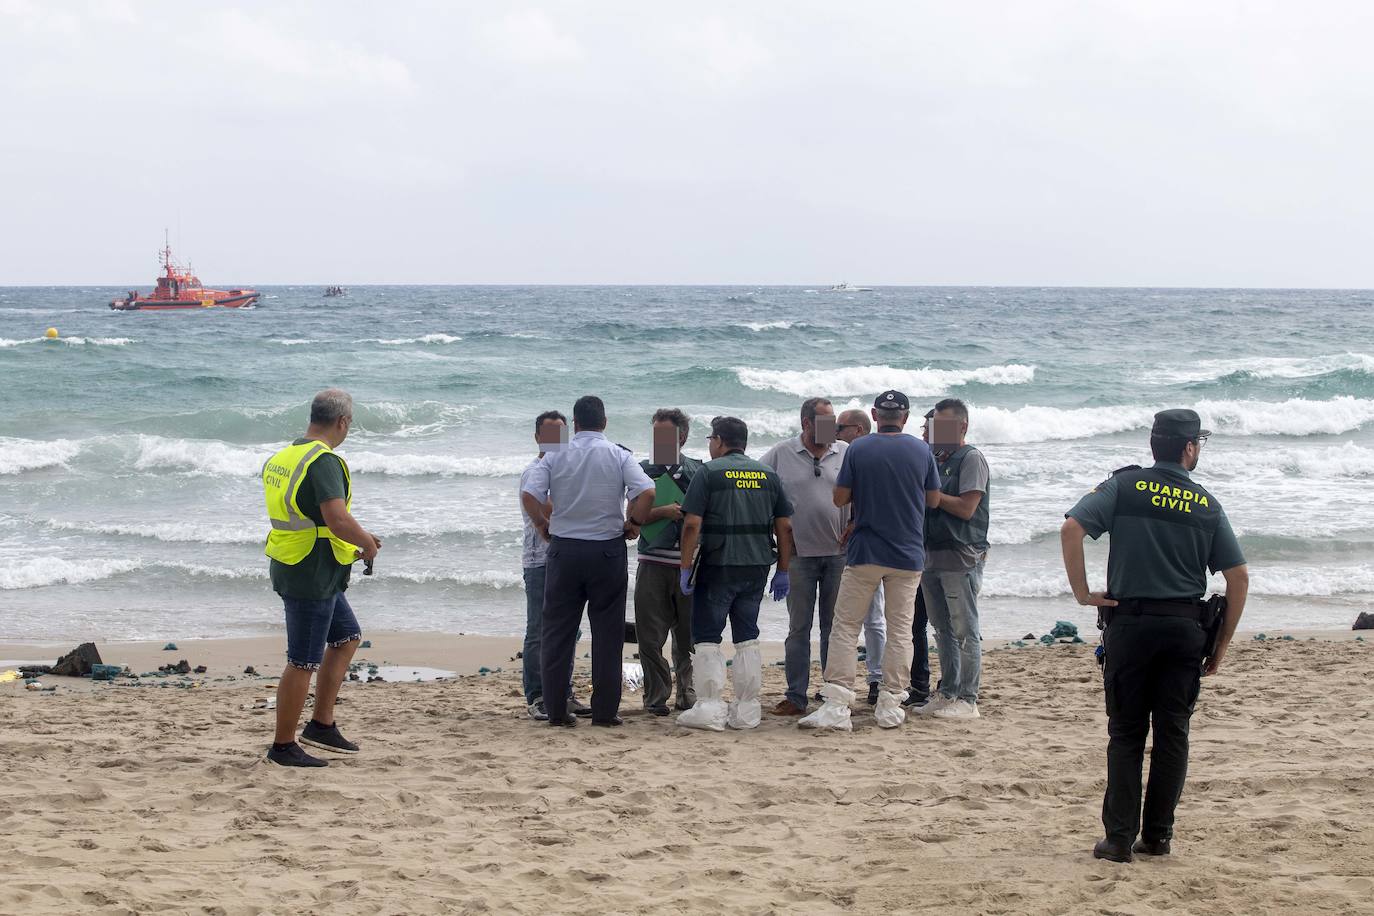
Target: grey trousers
{"x":661,"y":609}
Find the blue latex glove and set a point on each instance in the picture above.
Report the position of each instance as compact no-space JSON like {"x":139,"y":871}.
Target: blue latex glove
{"x":684,"y":580}
{"x":781,"y":585}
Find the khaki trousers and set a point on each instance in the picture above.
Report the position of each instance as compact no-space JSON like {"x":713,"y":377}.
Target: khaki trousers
{"x":858,"y":585}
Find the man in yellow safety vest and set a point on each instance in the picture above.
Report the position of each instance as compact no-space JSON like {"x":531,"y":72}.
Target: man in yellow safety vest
{"x":313,"y":542}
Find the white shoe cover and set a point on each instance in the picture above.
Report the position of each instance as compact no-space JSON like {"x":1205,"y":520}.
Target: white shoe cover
{"x":889,"y":712}
{"x":746,"y":676}
{"x":834,"y":712}
{"x":708,"y":676}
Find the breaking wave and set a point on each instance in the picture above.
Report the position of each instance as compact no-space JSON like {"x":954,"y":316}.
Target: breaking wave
{"x":860,"y":380}
{"x":19,"y":455}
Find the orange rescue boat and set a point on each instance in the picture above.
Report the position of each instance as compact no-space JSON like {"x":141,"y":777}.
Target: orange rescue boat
{"x":179,"y":288}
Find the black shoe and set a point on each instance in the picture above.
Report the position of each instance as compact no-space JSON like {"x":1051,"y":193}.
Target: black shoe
{"x":1151,"y":847}
{"x":327,"y":737}
{"x":578,"y":708}
{"x":612,"y":722}
{"x":657,"y":710}
{"x":293,"y":756}
{"x":872,"y":694}
{"x":1112,"y":851}
{"x":537,"y":712}
{"x":568,"y":721}
{"x":915,"y":699}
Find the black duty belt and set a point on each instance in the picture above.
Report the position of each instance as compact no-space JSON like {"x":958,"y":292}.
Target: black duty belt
{"x":1154,"y":607}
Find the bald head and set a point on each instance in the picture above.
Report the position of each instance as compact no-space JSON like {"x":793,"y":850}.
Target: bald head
{"x":852,"y":424}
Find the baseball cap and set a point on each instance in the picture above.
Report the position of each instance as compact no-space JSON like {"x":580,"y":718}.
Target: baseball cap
{"x":892,"y":400}
{"x":1179,"y":423}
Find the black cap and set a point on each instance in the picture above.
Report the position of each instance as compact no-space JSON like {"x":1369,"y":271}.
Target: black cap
{"x":1179,"y":423}
{"x":892,"y":400}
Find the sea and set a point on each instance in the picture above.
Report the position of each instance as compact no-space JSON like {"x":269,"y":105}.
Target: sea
{"x":130,"y":506}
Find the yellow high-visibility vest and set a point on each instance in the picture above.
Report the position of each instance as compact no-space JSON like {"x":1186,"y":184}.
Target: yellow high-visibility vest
{"x":294,"y":533}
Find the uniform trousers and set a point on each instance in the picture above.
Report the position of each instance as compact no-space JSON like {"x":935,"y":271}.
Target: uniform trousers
{"x":661,"y":608}
{"x":590,"y":574}
{"x":858,"y":585}
{"x":1152,"y":676}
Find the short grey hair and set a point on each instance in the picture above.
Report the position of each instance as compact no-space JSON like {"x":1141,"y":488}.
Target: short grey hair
{"x":888,"y":415}
{"x":330,"y":405}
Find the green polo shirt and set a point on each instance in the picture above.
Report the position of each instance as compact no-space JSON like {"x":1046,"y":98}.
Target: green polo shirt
{"x":1166,"y":532}
{"x":738,"y":500}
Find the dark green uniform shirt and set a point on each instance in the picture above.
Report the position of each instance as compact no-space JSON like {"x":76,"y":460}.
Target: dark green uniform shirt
{"x":737,"y":498}
{"x":1167,"y":531}
{"x":319,"y":575}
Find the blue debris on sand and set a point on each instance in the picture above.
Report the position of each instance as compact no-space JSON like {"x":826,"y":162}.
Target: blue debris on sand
{"x":1047,"y":639}
{"x":1260,"y":637}
{"x":170,"y":647}
{"x":1063,"y":628}
{"x":365,"y":644}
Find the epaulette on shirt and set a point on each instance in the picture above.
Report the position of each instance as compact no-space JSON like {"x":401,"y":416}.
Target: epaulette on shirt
{"x":1129,"y":467}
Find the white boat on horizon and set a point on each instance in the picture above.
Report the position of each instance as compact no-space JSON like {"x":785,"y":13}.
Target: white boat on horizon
{"x":846,"y":288}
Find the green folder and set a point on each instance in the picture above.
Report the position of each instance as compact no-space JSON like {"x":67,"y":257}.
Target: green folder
{"x":666,"y":492}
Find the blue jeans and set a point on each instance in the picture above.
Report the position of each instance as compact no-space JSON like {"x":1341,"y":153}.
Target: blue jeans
{"x":530,"y":678}
{"x":313,"y":624}
{"x":811,"y":577}
{"x":727,"y":593}
{"x":875,"y":637}
{"x":952,"y":603}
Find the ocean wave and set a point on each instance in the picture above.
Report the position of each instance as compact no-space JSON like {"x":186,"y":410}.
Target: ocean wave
{"x":37,"y":572}
{"x":69,"y":341}
{"x":19,"y":455}
{"x":779,"y":325}
{"x":860,"y":380}
{"x":425,"y":339}
{"x":1294,"y":417}
{"x":1278,"y":582}
{"x":1276,"y":367}
{"x":294,"y":341}
{"x":438,"y":465}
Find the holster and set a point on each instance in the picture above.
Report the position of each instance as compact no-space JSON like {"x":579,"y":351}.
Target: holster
{"x":1213,"y":615}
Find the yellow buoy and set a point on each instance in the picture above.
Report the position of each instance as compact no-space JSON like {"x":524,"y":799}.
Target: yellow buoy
{"x":50,"y":333}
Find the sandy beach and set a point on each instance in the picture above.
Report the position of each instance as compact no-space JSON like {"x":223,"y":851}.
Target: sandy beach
{"x":132,"y":800}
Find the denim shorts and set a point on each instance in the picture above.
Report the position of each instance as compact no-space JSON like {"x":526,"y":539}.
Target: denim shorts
{"x":313,"y":624}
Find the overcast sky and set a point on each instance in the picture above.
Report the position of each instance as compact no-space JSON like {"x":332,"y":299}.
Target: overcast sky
{"x":1034,"y":142}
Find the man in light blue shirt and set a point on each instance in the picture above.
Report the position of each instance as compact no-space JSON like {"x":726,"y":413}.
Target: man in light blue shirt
{"x":588,"y":482}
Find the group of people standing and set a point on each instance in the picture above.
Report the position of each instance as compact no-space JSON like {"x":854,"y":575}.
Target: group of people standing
{"x":881,"y":530}
{"x":873,"y":531}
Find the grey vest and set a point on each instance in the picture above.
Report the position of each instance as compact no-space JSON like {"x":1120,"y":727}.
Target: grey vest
{"x":949,"y":532}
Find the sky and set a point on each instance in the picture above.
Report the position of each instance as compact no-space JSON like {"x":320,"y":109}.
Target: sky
{"x":1003,"y":142}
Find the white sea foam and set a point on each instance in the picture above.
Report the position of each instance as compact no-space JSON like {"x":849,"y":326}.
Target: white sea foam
{"x":1294,"y":417}
{"x":19,"y":455}
{"x":860,"y":380}
{"x":425,"y":339}
{"x":294,"y":341}
{"x":779,"y":325}
{"x":36,"y":572}
{"x":1275,"y":581}
{"x":199,"y":457}
{"x":69,"y":341}
{"x":441,"y":465}
{"x":1262,"y":367}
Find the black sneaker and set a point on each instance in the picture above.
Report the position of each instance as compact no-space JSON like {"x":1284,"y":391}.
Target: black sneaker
{"x":873,"y":694}
{"x":578,"y":708}
{"x":537,"y":711}
{"x":915,"y":699}
{"x":658,"y":710}
{"x":294,"y":756}
{"x":327,"y":737}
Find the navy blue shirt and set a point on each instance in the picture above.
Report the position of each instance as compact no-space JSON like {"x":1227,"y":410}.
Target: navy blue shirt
{"x":889,"y":477}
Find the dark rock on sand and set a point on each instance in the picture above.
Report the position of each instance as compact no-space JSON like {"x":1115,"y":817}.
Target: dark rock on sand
{"x":78,"y":662}
{"x":1364,"y":622}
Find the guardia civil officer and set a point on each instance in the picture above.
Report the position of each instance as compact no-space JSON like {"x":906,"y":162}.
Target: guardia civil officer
{"x":1166,"y":532}
{"x":738,"y":512}
{"x":313,"y":542}
{"x":588,"y":481}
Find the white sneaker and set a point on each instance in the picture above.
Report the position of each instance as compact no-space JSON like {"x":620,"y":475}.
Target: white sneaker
{"x":934,"y":703}
{"x":957,"y":709}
